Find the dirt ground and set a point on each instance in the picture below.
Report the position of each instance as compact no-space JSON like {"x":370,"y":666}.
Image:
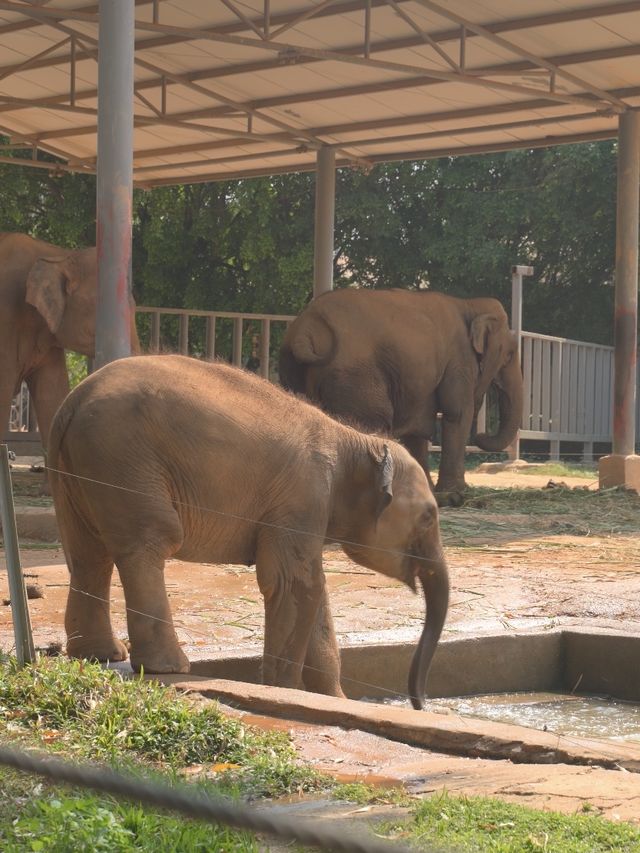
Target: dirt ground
{"x":512,"y":567}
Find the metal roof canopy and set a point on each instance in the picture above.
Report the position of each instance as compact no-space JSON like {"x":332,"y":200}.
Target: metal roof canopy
{"x":232,"y":88}
{"x":239,"y":88}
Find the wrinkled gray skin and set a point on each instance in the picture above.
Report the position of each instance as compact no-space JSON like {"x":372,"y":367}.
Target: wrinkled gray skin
{"x":47,"y":305}
{"x":220,"y":466}
{"x":390,"y":360}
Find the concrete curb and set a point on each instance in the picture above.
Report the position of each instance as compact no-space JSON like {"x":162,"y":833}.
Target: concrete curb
{"x":447,"y":733}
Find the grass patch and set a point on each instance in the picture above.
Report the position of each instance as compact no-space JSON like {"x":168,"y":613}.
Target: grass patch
{"x":79,"y":710}
{"x":476,"y":825}
{"x":490,"y":515}
{"x":562,"y":469}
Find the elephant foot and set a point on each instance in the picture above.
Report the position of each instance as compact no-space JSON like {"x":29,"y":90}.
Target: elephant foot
{"x":99,"y":650}
{"x":455,"y":497}
{"x":171,"y":660}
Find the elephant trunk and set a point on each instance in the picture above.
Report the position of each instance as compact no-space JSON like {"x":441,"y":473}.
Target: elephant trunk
{"x":434,"y":578}
{"x":510,"y":393}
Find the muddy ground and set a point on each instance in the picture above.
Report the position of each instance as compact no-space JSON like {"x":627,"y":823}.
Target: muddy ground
{"x":521,"y":557}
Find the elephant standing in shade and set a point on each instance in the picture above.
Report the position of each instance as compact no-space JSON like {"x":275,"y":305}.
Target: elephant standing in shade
{"x":47,"y":305}
{"x":166,"y":456}
{"x":390,"y":360}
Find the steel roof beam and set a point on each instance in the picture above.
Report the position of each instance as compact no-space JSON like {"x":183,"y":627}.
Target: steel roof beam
{"x":330,"y":93}
{"x":484,"y":33}
{"x":393,"y":44}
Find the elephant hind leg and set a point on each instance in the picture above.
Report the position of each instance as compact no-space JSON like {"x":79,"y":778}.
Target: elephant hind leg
{"x":154,"y":643}
{"x":88,"y":613}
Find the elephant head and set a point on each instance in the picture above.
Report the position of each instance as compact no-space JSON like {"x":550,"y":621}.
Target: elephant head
{"x":63,"y":290}
{"x":403,"y":543}
{"x":498,"y":364}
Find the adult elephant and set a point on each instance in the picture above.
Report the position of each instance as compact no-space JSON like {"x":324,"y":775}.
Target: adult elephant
{"x":390,"y":360}
{"x":47,"y":305}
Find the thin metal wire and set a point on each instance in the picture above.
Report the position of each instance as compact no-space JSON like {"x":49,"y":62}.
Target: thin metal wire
{"x":295,"y":531}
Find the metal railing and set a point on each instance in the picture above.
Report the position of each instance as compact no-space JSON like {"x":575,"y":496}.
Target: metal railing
{"x":246,"y":340}
{"x":568,"y":385}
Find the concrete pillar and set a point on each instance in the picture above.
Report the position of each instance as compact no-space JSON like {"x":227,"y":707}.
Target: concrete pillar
{"x":622,"y":467}
{"x":324,"y":221}
{"x":115,"y":179}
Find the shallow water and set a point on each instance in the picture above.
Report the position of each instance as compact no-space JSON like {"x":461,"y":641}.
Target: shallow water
{"x":577,"y":716}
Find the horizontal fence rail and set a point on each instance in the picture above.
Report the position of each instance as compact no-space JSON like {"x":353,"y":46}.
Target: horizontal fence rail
{"x":568,"y":385}
{"x":245,"y":340}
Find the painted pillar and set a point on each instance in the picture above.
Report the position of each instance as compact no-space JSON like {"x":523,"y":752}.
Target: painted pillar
{"x":517,"y":274}
{"x":115,"y":179}
{"x":324,"y":221}
{"x":626,"y":295}
{"x":622,"y":467}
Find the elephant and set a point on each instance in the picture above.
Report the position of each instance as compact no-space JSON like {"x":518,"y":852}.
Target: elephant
{"x":162,"y":456}
{"x":391,"y":360}
{"x":47,"y":305}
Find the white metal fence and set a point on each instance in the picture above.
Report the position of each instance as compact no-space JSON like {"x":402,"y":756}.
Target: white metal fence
{"x":568,"y":385}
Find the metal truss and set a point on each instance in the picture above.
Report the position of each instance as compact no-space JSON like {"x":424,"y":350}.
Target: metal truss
{"x":443,"y":55}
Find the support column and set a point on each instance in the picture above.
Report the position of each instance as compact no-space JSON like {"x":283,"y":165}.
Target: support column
{"x":115,"y":179}
{"x":324,"y":221}
{"x":517,"y":273}
{"x":622,"y":467}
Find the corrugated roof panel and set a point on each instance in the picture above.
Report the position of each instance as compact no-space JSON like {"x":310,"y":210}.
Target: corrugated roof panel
{"x":243,"y":101}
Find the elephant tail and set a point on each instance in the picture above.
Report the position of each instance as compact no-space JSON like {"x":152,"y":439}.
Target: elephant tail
{"x":309,"y":342}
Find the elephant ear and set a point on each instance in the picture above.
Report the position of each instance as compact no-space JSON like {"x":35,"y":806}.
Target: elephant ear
{"x":384,"y":481}
{"x":481,"y":327}
{"x":47,"y":291}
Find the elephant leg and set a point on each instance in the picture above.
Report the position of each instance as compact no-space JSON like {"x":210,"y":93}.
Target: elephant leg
{"x":321,"y":673}
{"x":290,"y":577}
{"x":48,"y":386}
{"x":455,"y":432}
{"x":87,"y":618}
{"x":154,"y":643}
{"x":418,"y":447}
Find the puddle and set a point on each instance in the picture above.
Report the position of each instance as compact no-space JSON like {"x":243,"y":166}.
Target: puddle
{"x":577,"y":716}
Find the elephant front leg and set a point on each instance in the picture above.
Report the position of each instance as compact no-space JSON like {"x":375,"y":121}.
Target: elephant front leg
{"x":292,"y":583}
{"x":321,"y":673}
{"x":455,"y":432}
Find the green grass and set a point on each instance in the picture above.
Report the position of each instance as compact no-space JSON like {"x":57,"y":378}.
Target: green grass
{"x":81,"y":711}
{"x":562,"y":469}
{"x":479,"y":825}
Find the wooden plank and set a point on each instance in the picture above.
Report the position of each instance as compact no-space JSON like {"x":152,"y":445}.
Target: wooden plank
{"x":545,"y":400}
{"x":265,"y":348}
{"x":237,"y":341}
{"x":183,"y":334}
{"x":582,"y":389}
{"x":556,"y":391}
{"x":590,"y":393}
{"x":598,"y":398}
{"x":536,"y":385}
{"x":155,"y":332}
{"x":210,"y":341}
{"x":527,"y":347}
{"x":566,"y":383}
{"x":573,"y":389}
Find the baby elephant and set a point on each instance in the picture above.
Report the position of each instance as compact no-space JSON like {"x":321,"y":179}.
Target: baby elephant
{"x":164,"y":456}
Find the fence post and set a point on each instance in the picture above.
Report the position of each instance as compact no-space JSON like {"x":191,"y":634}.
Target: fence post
{"x":517,"y":273}
{"x":19,"y":609}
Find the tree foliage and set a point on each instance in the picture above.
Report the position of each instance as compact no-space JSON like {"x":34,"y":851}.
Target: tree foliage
{"x":453,"y":224}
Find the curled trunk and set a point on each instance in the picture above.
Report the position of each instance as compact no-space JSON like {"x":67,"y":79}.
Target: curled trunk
{"x":434,"y":578}
{"x":509,"y":385}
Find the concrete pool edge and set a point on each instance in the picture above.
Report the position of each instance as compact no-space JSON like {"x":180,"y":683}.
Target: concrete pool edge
{"x":446,"y":733}
{"x":591,"y":660}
